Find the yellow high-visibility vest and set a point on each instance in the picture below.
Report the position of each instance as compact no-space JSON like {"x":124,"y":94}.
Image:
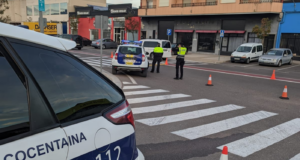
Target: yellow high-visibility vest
{"x":182,"y":51}
{"x":158,"y":50}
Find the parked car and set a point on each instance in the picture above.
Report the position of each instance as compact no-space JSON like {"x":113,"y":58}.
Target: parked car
{"x":247,"y":52}
{"x":276,"y":57}
{"x":107,"y":43}
{"x":175,"y":48}
{"x":77,"y":38}
{"x":150,"y":44}
{"x":86,"y":42}
{"x":55,"y":102}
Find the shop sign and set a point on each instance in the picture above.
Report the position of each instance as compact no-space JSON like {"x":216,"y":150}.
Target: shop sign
{"x":119,"y":19}
{"x":116,"y":11}
{"x":83,"y":12}
{"x":51,"y":28}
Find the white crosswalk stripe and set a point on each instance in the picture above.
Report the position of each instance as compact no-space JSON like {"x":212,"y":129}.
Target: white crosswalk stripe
{"x":155,"y":98}
{"x":249,"y":145}
{"x":127,"y":83}
{"x":188,"y":115}
{"x":220,"y":126}
{"x":145,"y":92}
{"x":169,"y":106}
{"x":134,"y":87}
{"x":297,"y":157}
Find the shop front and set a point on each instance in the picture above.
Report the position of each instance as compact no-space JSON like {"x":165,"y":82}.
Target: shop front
{"x":50,"y":29}
{"x":119,"y":27}
{"x":206,"y":40}
{"x":185,"y":37}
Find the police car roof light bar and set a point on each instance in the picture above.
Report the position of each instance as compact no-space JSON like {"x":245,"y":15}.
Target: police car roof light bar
{"x":132,"y":42}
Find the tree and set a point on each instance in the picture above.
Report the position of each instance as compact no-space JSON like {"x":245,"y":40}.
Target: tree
{"x":264,"y":30}
{"x":3,"y":8}
{"x":74,"y":21}
{"x":131,"y":24}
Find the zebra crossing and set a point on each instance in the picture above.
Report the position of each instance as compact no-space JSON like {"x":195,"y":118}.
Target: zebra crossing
{"x":242,"y":147}
{"x":95,"y":61}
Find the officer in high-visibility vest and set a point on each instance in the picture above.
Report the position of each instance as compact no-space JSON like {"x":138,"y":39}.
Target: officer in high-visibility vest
{"x":157,"y":54}
{"x":180,"y":61}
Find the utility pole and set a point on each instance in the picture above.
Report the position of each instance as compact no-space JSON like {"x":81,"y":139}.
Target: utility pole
{"x":41,"y":23}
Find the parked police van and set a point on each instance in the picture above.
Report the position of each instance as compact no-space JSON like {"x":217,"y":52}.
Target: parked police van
{"x":54,"y":106}
{"x":150,"y":44}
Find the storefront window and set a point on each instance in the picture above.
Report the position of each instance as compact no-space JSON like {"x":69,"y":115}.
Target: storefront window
{"x":252,"y":37}
{"x":36,"y":10}
{"x":186,"y":39}
{"x":106,"y":33}
{"x":55,"y":9}
{"x":63,"y":8}
{"x":129,"y":36}
{"x":29,"y":10}
{"x":206,"y":42}
{"x":291,"y":41}
{"x":47,"y":9}
{"x":94,"y":34}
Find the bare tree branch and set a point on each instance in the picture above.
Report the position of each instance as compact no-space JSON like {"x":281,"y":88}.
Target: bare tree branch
{"x":3,"y":8}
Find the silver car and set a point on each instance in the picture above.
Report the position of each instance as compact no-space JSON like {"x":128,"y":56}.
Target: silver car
{"x":276,"y":57}
{"x":107,"y":43}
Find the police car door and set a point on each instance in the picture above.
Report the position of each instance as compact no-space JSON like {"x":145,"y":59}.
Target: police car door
{"x":28,"y":130}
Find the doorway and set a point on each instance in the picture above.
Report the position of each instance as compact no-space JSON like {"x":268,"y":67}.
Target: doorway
{"x":231,"y":42}
{"x":162,"y":30}
{"x":119,"y":35}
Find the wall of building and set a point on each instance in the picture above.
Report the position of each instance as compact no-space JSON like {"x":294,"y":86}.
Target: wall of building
{"x":85,"y":3}
{"x":16,"y":11}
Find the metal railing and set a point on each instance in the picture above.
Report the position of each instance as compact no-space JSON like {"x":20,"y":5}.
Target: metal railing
{"x":195,"y":4}
{"x":260,"y":1}
{"x":148,"y":7}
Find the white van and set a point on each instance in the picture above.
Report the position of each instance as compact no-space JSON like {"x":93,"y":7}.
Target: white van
{"x":247,"y":52}
{"x":150,"y":44}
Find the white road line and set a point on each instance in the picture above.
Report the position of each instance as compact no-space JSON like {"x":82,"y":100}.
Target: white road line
{"x":155,"y":98}
{"x":250,"y":65}
{"x":97,"y":63}
{"x":188,"y":115}
{"x":287,"y":67}
{"x":126,"y":83}
{"x":134,"y":87}
{"x":249,"y":145}
{"x":89,"y":57}
{"x":220,"y":126}
{"x":297,"y":157}
{"x":169,"y":106}
{"x":131,"y":79}
{"x":145,"y":92}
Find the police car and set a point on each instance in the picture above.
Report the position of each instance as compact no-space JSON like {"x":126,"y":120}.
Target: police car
{"x":53,"y":106}
{"x":130,"y":56}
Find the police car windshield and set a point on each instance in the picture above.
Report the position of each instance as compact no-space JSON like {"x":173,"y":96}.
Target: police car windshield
{"x":130,"y":50}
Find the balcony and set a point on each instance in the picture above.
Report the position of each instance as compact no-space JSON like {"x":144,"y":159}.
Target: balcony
{"x":259,"y":1}
{"x":195,"y":4}
{"x":148,"y":7}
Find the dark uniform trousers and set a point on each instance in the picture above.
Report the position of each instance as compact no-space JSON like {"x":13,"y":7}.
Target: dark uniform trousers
{"x":157,"y":58}
{"x":179,"y":63}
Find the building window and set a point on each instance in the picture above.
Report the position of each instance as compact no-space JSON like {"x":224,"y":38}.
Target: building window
{"x":36,"y":10}
{"x":63,"y":8}
{"x":47,"y":9}
{"x":206,"y":42}
{"x":132,"y":36}
{"x":29,"y":10}
{"x":252,"y":37}
{"x":94,"y":34}
{"x":163,"y":3}
{"x":55,"y":9}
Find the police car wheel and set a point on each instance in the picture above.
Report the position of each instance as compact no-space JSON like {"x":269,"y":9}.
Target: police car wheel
{"x":144,"y":72}
{"x":113,"y":70}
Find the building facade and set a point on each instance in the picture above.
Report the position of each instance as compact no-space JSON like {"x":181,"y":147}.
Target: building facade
{"x":289,"y":30}
{"x":117,"y":23}
{"x":196,"y":23}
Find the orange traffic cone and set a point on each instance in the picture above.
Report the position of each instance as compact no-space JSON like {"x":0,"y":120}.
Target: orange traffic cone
{"x":224,"y":155}
{"x":112,"y":55}
{"x":209,"y":83}
{"x":166,"y":63}
{"x":273,"y":75}
{"x":284,"y":93}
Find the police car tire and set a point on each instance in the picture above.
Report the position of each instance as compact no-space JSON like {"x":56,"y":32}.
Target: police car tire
{"x":144,"y":72}
{"x":113,"y":70}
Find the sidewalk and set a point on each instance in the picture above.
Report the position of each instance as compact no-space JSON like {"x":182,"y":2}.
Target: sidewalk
{"x":204,"y":57}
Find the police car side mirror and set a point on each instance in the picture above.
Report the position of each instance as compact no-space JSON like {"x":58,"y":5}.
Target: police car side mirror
{"x":147,"y":53}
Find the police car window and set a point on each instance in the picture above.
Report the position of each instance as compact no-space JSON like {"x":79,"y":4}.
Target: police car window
{"x":150,"y":44}
{"x":166,"y":44}
{"x":14,"y":114}
{"x":73,"y":90}
{"x":130,"y":50}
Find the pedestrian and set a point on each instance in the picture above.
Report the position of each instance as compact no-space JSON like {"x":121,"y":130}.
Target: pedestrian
{"x":158,"y":53}
{"x":180,"y":61}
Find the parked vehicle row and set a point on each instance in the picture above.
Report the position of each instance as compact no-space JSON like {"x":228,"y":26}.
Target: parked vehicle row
{"x":254,"y":52}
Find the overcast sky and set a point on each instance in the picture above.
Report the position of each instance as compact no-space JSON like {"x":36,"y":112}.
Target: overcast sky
{"x":135,"y":3}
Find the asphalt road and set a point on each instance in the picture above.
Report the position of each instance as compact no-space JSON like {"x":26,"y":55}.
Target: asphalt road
{"x":185,"y":119}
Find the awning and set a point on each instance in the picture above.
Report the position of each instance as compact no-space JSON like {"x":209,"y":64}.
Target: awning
{"x":206,"y":31}
{"x":186,"y":31}
{"x":237,"y":32}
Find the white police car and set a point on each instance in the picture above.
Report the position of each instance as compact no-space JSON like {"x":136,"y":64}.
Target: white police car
{"x":54,"y":106}
{"x":130,"y":57}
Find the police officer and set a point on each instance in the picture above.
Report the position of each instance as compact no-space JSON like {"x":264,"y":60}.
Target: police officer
{"x":158,"y":53}
{"x":180,"y":60}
